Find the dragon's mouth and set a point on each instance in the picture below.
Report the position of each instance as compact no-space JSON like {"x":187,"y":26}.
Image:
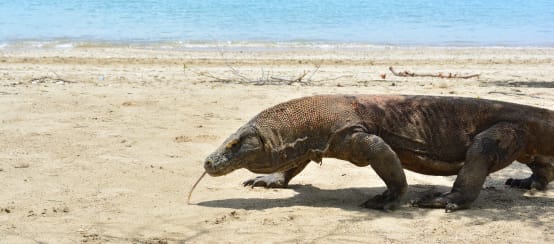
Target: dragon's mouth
{"x":218,"y":166}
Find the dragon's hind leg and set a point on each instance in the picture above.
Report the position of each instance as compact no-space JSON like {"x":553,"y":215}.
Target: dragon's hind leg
{"x":491,"y":150}
{"x":543,"y":173}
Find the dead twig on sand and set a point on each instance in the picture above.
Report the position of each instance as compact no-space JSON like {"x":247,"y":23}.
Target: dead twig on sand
{"x":266,"y":78}
{"x":49,"y":79}
{"x":439,"y":75}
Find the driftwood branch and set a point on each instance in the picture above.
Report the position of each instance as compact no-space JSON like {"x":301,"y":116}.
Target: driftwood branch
{"x":264,"y":79}
{"x":315,"y":71}
{"x":439,"y":75}
{"x":238,"y":74}
{"x":49,"y":79}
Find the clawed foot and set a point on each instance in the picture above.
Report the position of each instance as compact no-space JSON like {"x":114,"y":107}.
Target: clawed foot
{"x":440,"y":200}
{"x":385,"y":201}
{"x":527,"y":183}
{"x":267,"y":181}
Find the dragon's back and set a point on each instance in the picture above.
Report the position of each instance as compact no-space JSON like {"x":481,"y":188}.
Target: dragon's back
{"x":437,"y":127}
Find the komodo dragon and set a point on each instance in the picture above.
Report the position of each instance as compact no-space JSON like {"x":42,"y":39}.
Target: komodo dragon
{"x":432,"y":135}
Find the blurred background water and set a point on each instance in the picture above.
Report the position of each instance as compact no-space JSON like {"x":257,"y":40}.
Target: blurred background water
{"x":379,"y":22}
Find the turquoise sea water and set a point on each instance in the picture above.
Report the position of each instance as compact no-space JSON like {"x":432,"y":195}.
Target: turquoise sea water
{"x":379,"y":22}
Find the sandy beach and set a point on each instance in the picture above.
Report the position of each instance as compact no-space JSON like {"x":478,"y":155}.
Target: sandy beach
{"x":101,"y":144}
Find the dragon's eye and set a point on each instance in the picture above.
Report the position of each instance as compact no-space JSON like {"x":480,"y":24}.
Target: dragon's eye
{"x":232,"y":145}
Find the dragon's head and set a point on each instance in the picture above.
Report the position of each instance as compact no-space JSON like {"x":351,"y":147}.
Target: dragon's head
{"x":243,"y":149}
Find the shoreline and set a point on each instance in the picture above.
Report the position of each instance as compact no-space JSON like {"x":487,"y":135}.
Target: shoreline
{"x":63,"y":44}
{"x":344,"y":67}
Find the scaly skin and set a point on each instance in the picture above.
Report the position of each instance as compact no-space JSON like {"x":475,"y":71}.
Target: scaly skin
{"x":430,"y":135}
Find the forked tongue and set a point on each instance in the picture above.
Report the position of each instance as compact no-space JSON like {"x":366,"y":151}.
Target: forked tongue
{"x":194,"y":186}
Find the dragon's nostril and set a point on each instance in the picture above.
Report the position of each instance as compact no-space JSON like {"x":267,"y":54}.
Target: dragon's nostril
{"x":209,"y":164}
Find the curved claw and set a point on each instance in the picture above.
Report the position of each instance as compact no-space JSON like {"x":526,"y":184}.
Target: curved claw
{"x":252,"y":182}
{"x":267,"y":181}
{"x":451,"y":207}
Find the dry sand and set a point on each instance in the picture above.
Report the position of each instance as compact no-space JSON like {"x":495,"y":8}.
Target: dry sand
{"x":102,"y":144}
